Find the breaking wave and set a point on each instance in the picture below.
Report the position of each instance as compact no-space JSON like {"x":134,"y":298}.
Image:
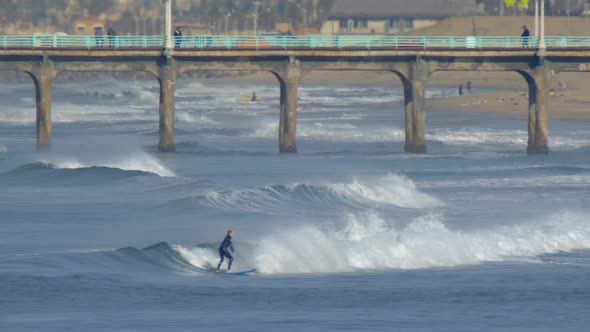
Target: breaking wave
{"x":392,"y":190}
{"x":359,"y":243}
{"x":369,"y":243}
{"x":135,"y":162}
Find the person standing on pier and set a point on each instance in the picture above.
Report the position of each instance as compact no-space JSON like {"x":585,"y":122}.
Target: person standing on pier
{"x":112,"y":36}
{"x":99,"y":36}
{"x":525,"y":36}
{"x":177,"y":37}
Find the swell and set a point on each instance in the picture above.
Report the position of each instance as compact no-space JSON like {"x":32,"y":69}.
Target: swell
{"x":158,"y":258}
{"x":47,"y":173}
{"x":390,"y":190}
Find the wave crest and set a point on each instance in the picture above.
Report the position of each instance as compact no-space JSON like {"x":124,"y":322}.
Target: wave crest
{"x":47,"y":173}
{"x":391,"y":190}
{"x":135,"y":162}
{"x":367,"y":243}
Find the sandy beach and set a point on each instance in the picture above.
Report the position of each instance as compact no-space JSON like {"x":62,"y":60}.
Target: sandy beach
{"x":566,"y":105}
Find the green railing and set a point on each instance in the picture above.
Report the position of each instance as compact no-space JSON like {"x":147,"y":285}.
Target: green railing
{"x":286,"y":42}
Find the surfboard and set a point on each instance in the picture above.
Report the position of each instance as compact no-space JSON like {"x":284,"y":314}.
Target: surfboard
{"x":248,"y":99}
{"x":239,"y":273}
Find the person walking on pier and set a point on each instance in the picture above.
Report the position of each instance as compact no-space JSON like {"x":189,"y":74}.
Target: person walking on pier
{"x":525,"y":36}
{"x":112,"y":36}
{"x":224,"y":251}
{"x":177,"y":37}
{"x":99,"y":36}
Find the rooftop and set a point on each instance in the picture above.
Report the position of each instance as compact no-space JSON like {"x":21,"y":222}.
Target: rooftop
{"x":403,"y":8}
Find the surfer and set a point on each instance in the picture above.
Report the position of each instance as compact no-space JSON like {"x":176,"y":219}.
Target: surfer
{"x":224,"y":252}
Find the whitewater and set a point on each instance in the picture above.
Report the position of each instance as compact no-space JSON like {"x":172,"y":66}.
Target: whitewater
{"x":105,"y":233}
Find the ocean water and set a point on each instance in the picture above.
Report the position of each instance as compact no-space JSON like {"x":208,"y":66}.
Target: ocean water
{"x":104,"y":233}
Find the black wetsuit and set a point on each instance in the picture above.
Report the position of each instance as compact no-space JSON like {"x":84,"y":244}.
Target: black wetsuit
{"x":224,"y":252}
{"x":177,"y":38}
{"x":525,"y":37}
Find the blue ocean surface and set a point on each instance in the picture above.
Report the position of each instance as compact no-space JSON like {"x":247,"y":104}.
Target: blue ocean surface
{"x":105,"y":233}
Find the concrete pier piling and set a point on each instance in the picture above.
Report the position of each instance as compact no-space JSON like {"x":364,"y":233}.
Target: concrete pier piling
{"x":413,"y":65}
{"x":538,"y":81}
{"x":538,"y":140}
{"x":415,"y":116}
{"x":43,"y":76}
{"x":289,"y":81}
{"x":167,"y":80}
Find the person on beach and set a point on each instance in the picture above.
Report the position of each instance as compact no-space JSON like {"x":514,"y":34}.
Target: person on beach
{"x":253,"y":96}
{"x":224,"y":252}
{"x":525,"y":36}
{"x":461,"y":89}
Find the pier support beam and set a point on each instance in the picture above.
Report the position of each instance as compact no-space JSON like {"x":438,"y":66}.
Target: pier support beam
{"x":167,"y":80}
{"x":289,"y":81}
{"x":43,"y":75}
{"x":539,"y":84}
{"x":415,"y":116}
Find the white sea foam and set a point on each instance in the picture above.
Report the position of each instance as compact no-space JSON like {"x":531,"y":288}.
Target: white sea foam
{"x":195,"y":119}
{"x":349,"y":133}
{"x":367,"y":243}
{"x":478,"y":136}
{"x":511,"y":138}
{"x":575,"y":180}
{"x":138,"y":161}
{"x":108,"y":87}
{"x":203,"y":258}
{"x":390,"y":189}
{"x":336,"y":132}
{"x":266,"y":129}
{"x":17,"y":115}
{"x":68,"y":113}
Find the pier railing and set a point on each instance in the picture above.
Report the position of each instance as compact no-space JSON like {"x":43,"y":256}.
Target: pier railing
{"x":288,"y":42}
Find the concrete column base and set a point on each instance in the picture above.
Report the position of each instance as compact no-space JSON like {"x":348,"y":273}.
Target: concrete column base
{"x":536,"y":150}
{"x":412,"y":148}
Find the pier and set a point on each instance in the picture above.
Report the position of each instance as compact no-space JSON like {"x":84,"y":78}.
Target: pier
{"x":411,"y":59}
